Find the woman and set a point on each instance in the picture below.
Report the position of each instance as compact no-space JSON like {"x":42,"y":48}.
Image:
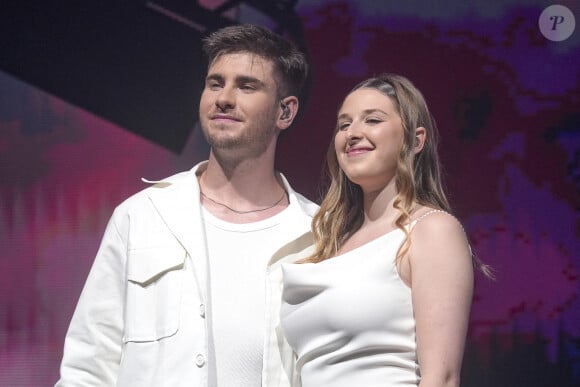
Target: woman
{"x":385,"y":297}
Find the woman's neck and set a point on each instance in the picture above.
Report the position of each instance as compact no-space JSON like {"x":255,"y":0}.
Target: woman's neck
{"x":379,"y":204}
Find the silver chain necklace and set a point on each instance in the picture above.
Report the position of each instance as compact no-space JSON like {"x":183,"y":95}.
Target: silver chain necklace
{"x":242,"y":212}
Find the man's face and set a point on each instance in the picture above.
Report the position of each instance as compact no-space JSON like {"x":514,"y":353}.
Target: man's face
{"x":239,"y":106}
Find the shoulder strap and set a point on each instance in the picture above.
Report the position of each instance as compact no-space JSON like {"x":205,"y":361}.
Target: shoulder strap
{"x":432,"y":212}
{"x":427,"y":214}
{"x":445,"y":212}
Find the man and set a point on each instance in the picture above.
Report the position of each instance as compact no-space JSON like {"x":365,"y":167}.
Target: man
{"x":185,"y":288}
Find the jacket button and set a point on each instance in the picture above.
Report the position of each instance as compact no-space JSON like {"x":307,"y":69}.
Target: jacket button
{"x":202,"y":310}
{"x":199,"y":360}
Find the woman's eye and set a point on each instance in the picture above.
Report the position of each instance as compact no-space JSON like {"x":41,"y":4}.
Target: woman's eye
{"x":343,"y":125}
{"x":373,"y":120}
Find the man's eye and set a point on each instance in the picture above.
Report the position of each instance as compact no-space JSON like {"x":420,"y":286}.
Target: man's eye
{"x":247,"y":87}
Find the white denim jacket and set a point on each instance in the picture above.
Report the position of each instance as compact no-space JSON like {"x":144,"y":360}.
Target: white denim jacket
{"x":141,"y":318}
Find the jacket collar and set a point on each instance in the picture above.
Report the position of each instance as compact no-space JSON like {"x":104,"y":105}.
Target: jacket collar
{"x":178,"y":203}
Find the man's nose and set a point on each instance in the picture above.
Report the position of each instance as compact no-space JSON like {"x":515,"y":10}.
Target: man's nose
{"x":225,"y":99}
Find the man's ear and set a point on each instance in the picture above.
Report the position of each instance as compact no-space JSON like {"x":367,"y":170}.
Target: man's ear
{"x":288,"y":110}
{"x":420,"y":138}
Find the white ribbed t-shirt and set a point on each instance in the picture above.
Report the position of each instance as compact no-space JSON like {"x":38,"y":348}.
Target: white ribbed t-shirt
{"x":238,"y":259}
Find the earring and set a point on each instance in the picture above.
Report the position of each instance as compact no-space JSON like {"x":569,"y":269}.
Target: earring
{"x":285,"y":112}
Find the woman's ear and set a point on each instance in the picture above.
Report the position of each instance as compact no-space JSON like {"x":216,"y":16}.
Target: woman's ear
{"x":420,"y":138}
{"x":288,"y":111}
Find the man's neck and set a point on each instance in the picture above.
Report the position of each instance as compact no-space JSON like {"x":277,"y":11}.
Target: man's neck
{"x":248,"y":178}
{"x":249,"y":192}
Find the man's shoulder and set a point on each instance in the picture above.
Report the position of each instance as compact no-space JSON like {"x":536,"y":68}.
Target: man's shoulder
{"x":165,"y":186}
{"x":308,"y":206}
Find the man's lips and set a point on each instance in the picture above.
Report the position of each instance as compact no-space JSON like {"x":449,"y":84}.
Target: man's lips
{"x":224,"y":117}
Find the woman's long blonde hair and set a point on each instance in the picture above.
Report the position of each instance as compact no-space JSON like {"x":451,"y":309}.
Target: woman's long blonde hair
{"x":418,"y":176}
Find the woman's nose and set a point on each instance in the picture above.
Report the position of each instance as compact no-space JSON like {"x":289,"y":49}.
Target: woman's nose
{"x":353,"y":132}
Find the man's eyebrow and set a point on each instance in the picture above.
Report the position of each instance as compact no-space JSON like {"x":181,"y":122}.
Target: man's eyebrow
{"x":214,"y":77}
{"x":245,"y":79}
{"x":240,"y":79}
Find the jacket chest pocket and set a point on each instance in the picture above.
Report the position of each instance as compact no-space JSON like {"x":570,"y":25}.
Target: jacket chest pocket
{"x":154,"y":292}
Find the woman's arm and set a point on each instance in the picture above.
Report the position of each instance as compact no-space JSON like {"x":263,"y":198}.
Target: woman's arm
{"x":442,"y":289}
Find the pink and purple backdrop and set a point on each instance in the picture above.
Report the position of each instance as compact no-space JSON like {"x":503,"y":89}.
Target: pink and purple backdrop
{"x":507,"y":102}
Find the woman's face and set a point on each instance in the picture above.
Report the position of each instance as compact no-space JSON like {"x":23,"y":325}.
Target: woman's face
{"x":368,"y":139}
